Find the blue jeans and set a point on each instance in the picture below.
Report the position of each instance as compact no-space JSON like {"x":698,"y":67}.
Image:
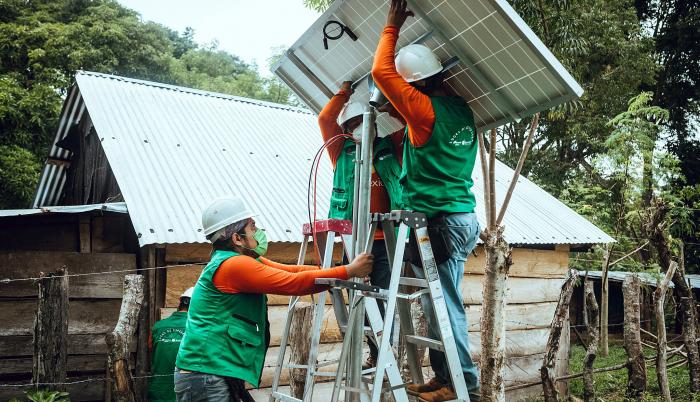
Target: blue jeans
{"x":463,"y":231}
{"x":201,"y":387}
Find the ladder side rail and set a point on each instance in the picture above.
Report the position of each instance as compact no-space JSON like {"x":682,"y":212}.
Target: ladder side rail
{"x":287,"y":324}
{"x":442,"y":317}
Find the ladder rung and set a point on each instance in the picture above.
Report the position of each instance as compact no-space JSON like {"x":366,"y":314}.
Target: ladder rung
{"x":283,"y":397}
{"x":325,"y":374}
{"x":354,"y":389}
{"x":367,"y":290}
{"x":423,"y":341}
{"x":414,"y":295}
{"x":415,"y":282}
{"x":328,"y":363}
{"x":296,"y":366}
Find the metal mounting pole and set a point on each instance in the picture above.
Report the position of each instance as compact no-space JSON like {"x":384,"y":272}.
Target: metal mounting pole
{"x":360,"y":233}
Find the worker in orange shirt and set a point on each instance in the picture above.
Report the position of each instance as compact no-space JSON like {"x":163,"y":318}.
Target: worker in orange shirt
{"x":227,"y":332}
{"x":438,"y":158}
{"x":340,"y":116}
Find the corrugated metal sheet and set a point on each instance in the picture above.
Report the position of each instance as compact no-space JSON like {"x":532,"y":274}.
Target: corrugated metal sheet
{"x":175,"y":149}
{"x":646,"y":278}
{"x":118,"y":207}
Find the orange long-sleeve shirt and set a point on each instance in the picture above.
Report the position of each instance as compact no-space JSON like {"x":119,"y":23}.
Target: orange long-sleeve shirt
{"x":327,"y":121}
{"x":413,"y":105}
{"x":243,"y":274}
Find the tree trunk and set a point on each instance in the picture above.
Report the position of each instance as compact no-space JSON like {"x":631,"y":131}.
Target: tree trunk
{"x":592,"y":312}
{"x":121,"y":337}
{"x":604,"y":302}
{"x":660,"y":296}
{"x":300,"y":343}
{"x":51,"y":330}
{"x":690,"y":323}
{"x":636,"y":368}
{"x":560,"y":318}
{"x":493,"y":328}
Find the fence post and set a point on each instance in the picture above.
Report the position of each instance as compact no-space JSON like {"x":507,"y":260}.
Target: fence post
{"x":51,"y":330}
{"x":660,"y":299}
{"x":560,"y":316}
{"x":636,"y":367}
{"x":300,"y":342}
{"x":592,"y":312}
{"x":119,"y":340}
{"x":604,"y":303}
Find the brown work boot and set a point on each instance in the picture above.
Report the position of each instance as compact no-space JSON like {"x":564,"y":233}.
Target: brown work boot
{"x":371,"y":362}
{"x":442,"y":394}
{"x":430,"y":386}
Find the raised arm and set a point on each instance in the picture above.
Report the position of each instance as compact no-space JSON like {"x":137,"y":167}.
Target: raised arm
{"x":414,"y":106}
{"x":327,"y":120}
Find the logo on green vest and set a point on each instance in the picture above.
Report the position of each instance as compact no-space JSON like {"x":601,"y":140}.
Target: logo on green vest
{"x":463,"y":137}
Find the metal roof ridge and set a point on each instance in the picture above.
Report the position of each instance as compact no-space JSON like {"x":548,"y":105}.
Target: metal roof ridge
{"x":193,"y":91}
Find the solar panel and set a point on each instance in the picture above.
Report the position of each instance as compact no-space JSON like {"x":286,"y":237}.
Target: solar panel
{"x":495,"y":61}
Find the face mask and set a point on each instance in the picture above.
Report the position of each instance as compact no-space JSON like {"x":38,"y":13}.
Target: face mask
{"x":261,"y":238}
{"x":357,"y":133}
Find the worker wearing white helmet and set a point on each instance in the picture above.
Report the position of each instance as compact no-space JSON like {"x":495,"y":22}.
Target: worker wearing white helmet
{"x":164,"y":343}
{"x":227,"y":332}
{"x":341,"y":116}
{"x":438,"y":158}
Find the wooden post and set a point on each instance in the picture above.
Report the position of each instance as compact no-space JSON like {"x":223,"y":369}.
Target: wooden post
{"x":560,"y":318}
{"x":690,"y":322}
{"x":51,"y":330}
{"x":591,"y":310}
{"x":493,"y":333}
{"x":119,"y":340}
{"x":604,"y":299}
{"x":300,"y":343}
{"x":660,"y":296}
{"x":147,"y":260}
{"x":636,"y":368}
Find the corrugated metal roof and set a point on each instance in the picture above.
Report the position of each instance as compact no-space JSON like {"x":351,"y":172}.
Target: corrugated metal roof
{"x":175,"y":149}
{"x":118,"y":207}
{"x":646,"y":278}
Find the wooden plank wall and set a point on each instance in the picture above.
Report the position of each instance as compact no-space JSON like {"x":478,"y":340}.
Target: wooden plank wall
{"x":84,"y":244}
{"x":533,"y":290}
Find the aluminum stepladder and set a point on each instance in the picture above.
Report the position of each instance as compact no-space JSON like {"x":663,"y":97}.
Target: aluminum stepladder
{"x":386,"y":361}
{"x":328,"y":229}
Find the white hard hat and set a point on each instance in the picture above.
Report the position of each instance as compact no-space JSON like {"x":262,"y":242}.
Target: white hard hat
{"x":351,"y":109}
{"x":223,"y":212}
{"x":416,"y":62}
{"x":188,"y":292}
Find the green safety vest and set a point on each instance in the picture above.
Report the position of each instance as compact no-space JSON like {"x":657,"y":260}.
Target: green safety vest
{"x":166,"y":335}
{"x":226,"y":333}
{"x":384,"y":162}
{"x":437,"y":177}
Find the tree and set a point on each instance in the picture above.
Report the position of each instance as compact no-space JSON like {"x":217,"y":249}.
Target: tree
{"x":44,"y":42}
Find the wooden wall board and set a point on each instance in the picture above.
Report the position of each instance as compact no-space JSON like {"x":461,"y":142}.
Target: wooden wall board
{"x":76,"y":363}
{"x":284,"y":252}
{"x":518,"y":289}
{"x":40,"y":232}
{"x":85,"y":317}
{"x":518,"y":316}
{"x":527,"y":263}
{"x":28,"y":264}
{"x":177,"y":280}
{"x":78,"y":344}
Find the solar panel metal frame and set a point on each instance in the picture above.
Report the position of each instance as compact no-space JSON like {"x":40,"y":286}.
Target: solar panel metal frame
{"x":497,"y":91}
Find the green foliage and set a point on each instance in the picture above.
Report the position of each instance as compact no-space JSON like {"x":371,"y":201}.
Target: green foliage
{"x":611,"y":385}
{"x":43,"y":43}
{"x":19,"y":175}
{"x":45,"y":396}
{"x":318,"y":5}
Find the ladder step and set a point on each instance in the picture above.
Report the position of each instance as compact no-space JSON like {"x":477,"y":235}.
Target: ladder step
{"x":414,"y":295}
{"x":283,"y":397}
{"x":423,"y":341}
{"x":329,"y":225}
{"x":415,"y":282}
{"x":368,"y":290}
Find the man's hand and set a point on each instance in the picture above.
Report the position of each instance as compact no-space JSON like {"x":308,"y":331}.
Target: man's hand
{"x":398,"y":13}
{"x":361,"y":266}
{"x":347,"y":87}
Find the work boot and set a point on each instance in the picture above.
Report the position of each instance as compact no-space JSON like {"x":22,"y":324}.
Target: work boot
{"x":439,"y":395}
{"x":430,"y":386}
{"x":371,"y":362}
